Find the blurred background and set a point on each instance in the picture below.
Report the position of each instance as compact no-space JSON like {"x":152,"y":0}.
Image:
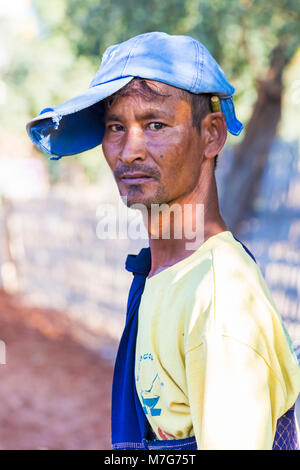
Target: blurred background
{"x":63,"y":291}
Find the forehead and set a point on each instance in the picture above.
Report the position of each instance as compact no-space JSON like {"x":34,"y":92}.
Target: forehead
{"x":157,"y":88}
{"x":147,"y":94}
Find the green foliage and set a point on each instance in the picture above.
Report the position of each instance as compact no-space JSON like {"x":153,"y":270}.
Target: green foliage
{"x":61,"y":60}
{"x":240,"y":34}
{"x":237,"y":32}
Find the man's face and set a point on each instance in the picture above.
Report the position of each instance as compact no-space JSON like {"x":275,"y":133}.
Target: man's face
{"x":152,"y":147}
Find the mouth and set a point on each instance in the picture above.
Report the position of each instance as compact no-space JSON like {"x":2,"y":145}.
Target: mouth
{"x":135,"y":178}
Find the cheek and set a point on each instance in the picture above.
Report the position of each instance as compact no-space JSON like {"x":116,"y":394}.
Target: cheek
{"x":109,"y":151}
{"x":167,"y":144}
{"x":181,"y":163}
{"x":179,"y":151}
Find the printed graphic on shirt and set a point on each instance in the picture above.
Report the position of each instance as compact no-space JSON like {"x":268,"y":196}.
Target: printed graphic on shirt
{"x":150,"y":399}
{"x":165,"y":436}
{"x":150,"y":394}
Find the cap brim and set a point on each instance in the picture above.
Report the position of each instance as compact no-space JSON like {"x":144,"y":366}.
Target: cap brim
{"x":76,"y":125}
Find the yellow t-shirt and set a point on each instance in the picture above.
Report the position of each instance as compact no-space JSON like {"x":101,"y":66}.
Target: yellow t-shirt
{"x":213,"y":359}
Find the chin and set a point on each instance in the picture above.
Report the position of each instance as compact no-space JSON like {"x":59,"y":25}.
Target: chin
{"x":132,"y":197}
{"x":138,"y":196}
{"x":131,"y":201}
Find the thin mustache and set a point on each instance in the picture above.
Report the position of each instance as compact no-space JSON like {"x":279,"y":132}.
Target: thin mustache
{"x":120,"y":172}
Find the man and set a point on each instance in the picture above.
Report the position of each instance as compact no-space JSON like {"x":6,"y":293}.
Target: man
{"x":204,"y":361}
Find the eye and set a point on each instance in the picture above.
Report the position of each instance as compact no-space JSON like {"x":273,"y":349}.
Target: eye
{"x":156,"y":126}
{"x":115,"y":127}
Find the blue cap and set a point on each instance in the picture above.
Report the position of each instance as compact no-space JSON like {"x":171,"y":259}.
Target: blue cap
{"x":77,"y":125}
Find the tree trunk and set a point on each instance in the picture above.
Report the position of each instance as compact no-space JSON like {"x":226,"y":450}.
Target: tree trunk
{"x":250,"y":156}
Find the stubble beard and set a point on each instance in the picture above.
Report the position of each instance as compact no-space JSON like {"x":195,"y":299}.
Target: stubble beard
{"x":135,"y":196}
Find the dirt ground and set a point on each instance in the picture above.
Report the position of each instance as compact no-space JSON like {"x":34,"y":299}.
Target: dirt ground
{"x":55,"y":393}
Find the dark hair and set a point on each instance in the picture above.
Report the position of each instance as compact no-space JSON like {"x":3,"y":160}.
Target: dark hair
{"x":200,"y":104}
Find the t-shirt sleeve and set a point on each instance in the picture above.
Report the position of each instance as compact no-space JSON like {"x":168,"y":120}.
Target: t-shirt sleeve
{"x":235,"y":397}
{"x":241,"y":373}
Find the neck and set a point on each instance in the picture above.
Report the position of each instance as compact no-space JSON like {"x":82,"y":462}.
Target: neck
{"x":180,"y":227}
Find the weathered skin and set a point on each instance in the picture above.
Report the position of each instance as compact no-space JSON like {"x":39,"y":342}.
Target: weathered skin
{"x":158,"y":138}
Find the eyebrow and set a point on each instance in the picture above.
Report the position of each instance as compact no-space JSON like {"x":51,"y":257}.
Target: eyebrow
{"x":146,"y":115}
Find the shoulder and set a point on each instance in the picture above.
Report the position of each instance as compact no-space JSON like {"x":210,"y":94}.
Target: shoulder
{"x":234,"y":301}
{"x":242,"y":312}
{"x":243,"y":304}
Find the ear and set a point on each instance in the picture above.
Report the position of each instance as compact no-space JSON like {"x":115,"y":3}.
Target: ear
{"x":214,"y":133}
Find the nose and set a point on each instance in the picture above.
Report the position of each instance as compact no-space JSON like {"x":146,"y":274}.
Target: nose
{"x":133,"y":145}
